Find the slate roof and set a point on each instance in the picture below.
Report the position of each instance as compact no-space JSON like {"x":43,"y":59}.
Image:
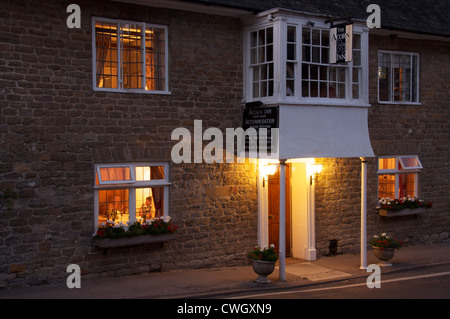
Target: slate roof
{"x":419,"y":16}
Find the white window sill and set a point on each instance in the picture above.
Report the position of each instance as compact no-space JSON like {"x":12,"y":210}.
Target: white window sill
{"x":309,"y":102}
{"x":399,"y":103}
{"x":132,"y":91}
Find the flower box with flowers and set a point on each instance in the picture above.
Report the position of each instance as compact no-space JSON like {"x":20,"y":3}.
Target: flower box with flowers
{"x":156,"y":230}
{"x":263,"y":262}
{"x":403,"y":206}
{"x":384,"y":247}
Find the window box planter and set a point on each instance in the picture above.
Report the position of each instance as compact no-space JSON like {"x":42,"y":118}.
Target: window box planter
{"x":403,"y":212}
{"x":133,"y":240}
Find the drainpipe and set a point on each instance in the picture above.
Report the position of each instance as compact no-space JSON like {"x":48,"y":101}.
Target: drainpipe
{"x":363,"y":213}
{"x":282,"y":240}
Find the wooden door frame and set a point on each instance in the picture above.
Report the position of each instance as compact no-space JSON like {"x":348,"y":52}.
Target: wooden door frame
{"x":263,"y":210}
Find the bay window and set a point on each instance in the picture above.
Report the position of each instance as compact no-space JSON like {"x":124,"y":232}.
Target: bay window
{"x":398,"y":176}
{"x":129,"y":56}
{"x":289,"y":61}
{"x":130,"y":192}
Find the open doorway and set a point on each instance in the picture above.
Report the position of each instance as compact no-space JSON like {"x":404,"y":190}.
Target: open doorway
{"x":274,"y":211}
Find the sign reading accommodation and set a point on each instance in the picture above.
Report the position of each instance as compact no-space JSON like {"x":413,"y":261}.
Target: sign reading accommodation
{"x":341,"y":40}
{"x":263,"y":120}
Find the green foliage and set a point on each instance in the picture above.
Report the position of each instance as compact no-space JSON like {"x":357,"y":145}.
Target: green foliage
{"x":155,"y":226}
{"x":403,"y":203}
{"x":385,"y":241}
{"x":264,"y":254}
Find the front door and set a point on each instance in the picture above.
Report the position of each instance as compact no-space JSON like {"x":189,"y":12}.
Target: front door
{"x":274,"y":211}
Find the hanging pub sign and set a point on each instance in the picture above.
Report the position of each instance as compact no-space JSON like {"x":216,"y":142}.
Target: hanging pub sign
{"x":341,"y":41}
{"x":263,"y":120}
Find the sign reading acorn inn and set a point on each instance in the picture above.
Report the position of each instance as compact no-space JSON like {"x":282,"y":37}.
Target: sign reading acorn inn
{"x":263,"y":120}
{"x":341,"y":43}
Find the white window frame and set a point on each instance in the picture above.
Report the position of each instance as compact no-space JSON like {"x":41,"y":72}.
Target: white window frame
{"x":126,"y":90}
{"x":413,"y":170}
{"x":280,"y":26}
{"x":132,"y":186}
{"x":391,"y":78}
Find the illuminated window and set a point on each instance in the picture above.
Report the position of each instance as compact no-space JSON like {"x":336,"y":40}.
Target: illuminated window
{"x":132,"y":192}
{"x":129,"y":56}
{"x":398,"y":77}
{"x":398,"y":176}
{"x":114,"y":174}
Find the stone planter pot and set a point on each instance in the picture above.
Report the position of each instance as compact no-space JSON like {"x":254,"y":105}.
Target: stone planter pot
{"x":132,"y":241}
{"x":263,"y":269}
{"x":384,"y":255}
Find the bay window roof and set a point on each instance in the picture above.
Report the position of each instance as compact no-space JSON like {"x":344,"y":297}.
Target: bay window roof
{"x":418,"y":16}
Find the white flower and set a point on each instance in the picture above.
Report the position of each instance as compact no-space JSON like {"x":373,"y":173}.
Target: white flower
{"x":272,"y":246}
{"x":383,"y":234}
{"x":102,"y":224}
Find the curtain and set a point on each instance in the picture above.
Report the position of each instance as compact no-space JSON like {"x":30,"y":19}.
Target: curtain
{"x":102,"y":46}
{"x":157,"y":172}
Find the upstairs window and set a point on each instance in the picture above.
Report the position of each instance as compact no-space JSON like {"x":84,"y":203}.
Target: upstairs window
{"x":320,"y":79}
{"x":398,"y":77}
{"x":261,"y":62}
{"x":129,"y":56}
{"x":288,"y":60}
{"x":398,"y":176}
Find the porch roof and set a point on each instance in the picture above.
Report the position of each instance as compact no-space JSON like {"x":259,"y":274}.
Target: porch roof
{"x":320,"y":132}
{"x":324,"y":131}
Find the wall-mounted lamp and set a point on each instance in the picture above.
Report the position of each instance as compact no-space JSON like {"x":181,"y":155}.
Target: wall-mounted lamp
{"x":315,"y":169}
{"x":266,"y":170}
{"x":310,"y":23}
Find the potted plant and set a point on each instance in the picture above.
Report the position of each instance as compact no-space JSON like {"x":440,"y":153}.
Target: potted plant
{"x":111,"y":234}
{"x":263,"y":262}
{"x":402,"y":206}
{"x":384,"y":248}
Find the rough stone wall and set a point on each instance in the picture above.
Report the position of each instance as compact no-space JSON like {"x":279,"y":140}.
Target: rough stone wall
{"x":394,"y":130}
{"x":55,"y":128}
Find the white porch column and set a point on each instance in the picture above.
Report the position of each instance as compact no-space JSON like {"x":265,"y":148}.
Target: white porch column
{"x":311,"y":220}
{"x":363,"y":213}
{"x":282,"y":239}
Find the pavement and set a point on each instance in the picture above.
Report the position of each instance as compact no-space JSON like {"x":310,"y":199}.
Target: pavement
{"x":214,"y":283}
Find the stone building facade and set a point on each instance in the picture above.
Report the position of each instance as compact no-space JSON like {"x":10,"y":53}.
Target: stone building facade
{"x":394,"y":130}
{"x":55,"y":128}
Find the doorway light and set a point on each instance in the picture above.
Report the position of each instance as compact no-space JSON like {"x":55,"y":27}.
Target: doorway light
{"x":316,"y":168}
